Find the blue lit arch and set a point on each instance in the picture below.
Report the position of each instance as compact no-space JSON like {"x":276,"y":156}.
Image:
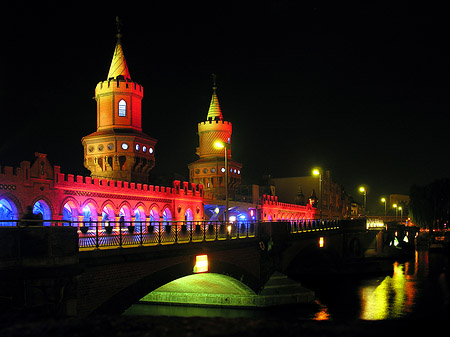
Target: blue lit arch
{"x":8,"y":211}
{"x":41,"y":207}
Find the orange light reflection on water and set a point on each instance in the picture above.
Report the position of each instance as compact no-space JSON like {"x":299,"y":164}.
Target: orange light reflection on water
{"x":322,"y":314}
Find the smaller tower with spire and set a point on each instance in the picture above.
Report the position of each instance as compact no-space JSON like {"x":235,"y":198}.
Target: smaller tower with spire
{"x":119,"y":150}
{"x":209,"y":169}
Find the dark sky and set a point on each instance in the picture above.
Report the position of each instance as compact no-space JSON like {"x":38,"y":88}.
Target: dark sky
{"x":360,"y":90}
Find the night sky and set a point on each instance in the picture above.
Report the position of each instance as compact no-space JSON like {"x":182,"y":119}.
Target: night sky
{"x":360,"y":90}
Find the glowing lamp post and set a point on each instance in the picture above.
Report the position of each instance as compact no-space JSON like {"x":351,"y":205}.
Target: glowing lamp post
{"x":401,"y":213}
{"x":396,"y":210}
{"x":221,"y":145}
{"x":384,"y":200}
{"x":316,"y":172}
{"x":363,"y":190}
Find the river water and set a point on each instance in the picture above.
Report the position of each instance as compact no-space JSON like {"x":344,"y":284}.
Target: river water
{"x":417,"y":287}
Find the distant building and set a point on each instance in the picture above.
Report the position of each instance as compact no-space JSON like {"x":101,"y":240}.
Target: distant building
{"x":330,"y":197}
{"x":399,"y":199}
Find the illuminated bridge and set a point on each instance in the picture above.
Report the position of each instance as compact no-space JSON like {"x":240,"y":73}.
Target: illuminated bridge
{"x":67,"y":271}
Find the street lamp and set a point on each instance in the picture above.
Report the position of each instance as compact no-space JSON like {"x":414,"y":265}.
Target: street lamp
{"x":401,"y":213}
{"x":384,"y":200}
{"x":221,"y":145}
{"x":395,"y":206}
{"x":316,"y":172}
{"x":363,"y":190}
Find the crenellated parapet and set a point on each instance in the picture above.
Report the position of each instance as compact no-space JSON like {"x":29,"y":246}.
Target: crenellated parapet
{"x":215,"y":125}
{"x":82,"y":183}
{"x":272,"y":209}
{"x":123,"y":85}
{"x":55,"y":192}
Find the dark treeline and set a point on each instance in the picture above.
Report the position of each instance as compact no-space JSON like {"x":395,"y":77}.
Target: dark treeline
{"x":430,"y":204}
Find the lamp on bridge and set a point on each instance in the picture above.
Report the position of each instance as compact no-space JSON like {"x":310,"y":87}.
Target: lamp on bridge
{"x":396,"y":210}
{"x":363,"y":190}
{"x":316,"y":172}
{"x":384,"y":200}
{"x":221,"y":145}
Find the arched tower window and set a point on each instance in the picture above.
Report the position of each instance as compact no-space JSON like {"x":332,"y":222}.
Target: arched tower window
{"x":122,"y":108}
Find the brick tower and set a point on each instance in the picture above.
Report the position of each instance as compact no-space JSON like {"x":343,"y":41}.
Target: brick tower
{"x":209,"y":169}
{"x":119,"y":150}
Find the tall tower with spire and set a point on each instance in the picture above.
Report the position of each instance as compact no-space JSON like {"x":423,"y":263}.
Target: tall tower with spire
{"x":119,"y":150}
{"x":209,"y":169}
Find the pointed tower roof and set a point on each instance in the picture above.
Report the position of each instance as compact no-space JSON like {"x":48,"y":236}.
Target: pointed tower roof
{"x":214,"y":111}
{"x":118,"y":64}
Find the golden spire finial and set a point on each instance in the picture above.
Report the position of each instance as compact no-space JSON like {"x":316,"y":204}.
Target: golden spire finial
{"x":119,"y":27}
{"x":214,"y":81}
{"x":118,"y":64}
{"x":214,"y":112}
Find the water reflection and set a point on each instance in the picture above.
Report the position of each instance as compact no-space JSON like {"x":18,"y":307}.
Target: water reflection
{"x":394,"y":297}
{"x":416,"y":288}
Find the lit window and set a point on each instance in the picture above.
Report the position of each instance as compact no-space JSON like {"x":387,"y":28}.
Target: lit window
{"x":125,"y":146}
{"x":201,"y":264}
{"x":122,"y":108}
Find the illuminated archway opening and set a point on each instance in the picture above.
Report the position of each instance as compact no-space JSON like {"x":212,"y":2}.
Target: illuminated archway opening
{"x":153,"y":218}
{"x":154,"y":214}
{"x":167,"y":215}
{"x":8,"y":211}
{"x":125,"y":215}
{"x":41,"y":208}
{"x":108,"y":215}
{"x":89,"y":215}
{"x":188,"y":217}
{"x":70,"y":213}
{"x":139,"y":219}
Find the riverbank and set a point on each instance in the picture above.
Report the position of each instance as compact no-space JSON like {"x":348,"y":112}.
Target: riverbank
{"x":111,"y":326}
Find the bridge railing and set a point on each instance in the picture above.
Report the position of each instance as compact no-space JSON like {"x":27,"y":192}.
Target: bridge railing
{"x":310,"y":225}
{"x":96,"y":234}
{"x":105,"y":234}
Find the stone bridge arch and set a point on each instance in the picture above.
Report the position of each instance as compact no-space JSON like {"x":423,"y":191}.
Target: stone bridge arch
{"x":133,"y":280}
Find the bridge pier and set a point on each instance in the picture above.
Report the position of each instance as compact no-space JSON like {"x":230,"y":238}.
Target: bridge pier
{"x":38,"y":269}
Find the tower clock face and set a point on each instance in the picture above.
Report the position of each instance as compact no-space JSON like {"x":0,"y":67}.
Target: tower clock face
{"x":124,"y":146}
{"x":110,"y":146}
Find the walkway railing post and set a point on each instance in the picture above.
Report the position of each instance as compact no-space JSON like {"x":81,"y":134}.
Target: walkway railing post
{"x":120,"y":233}
{"x":141,"y":238}
{"x":96,"y":236}
{"x":176,"y":232}
{"x":159,"y":231}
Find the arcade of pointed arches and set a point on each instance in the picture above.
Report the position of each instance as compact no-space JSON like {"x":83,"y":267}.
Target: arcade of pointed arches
{"x":89,"y":210}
